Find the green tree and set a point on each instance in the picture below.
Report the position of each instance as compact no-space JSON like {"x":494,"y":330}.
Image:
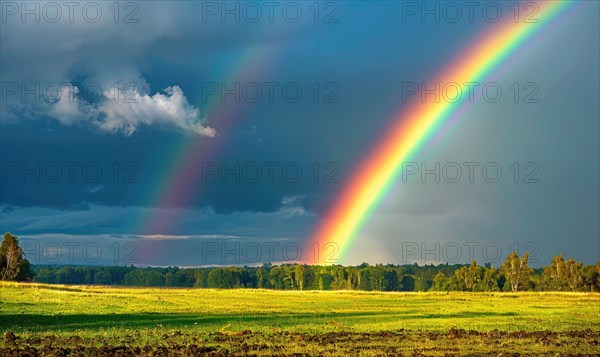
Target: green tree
{"x":516,"y":271}
{"x":393,"y":276}
{"x":554,"y":276}
{"x":591,"y":277}
{"x":469,"y":277}
{"x":338,"y":274}
{"x":46,"y":275}
{"x":276,"y":277}
{"x":574,"y":274}
{"x":65,"y":275}
{"x":352,"y":281}
{"x":408,"y":282}
{"x":490,"y":279}
{"x":324,"y":277}
{"x":201,"y":278}
{"x":102,"y":278}
{"x":440,"y":282}
{"x":169,"y":279}
{"x":13,"y":264}
{"x":376,"y":275}
{"x":299,"y":275}
{"x":290,"y":276}
{"x":224,"y":278}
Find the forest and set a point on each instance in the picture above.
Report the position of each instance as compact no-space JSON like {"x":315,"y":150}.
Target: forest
{"x":560,"y":275}
{"x":514,"y":274}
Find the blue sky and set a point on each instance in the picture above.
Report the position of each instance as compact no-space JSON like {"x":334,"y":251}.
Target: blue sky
{"x":176,"y":66}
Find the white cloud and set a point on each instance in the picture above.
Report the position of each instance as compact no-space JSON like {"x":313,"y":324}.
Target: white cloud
{"x":126,"y":111}
{"x":104,"y":52}
{"x":68,"y":109}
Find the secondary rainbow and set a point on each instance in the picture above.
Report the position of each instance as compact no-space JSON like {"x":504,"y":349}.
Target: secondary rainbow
{"x":179,"y":185}
{"x":413,"y":126}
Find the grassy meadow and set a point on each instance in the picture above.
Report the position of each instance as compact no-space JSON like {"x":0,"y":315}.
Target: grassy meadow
{"x":263,"y":322}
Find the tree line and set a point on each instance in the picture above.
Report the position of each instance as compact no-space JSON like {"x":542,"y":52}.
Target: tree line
{"x":513,"y":275}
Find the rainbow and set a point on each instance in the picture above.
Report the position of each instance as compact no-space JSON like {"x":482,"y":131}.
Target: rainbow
{"x":413,"y":127}
{"x":180,"y":183}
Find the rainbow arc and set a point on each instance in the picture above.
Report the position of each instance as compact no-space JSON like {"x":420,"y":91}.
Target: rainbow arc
{"x":414,"y":126}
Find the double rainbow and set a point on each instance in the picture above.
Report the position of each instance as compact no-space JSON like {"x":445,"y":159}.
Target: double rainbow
{"x":412,"y":128}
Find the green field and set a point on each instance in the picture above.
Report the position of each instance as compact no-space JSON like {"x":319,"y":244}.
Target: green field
{"x":244,"y":321}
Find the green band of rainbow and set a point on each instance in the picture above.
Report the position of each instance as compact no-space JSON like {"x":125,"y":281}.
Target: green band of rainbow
{"x":415,"y":125}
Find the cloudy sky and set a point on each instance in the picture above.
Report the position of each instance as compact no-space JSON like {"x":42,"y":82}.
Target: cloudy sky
{"x":197,"y":133}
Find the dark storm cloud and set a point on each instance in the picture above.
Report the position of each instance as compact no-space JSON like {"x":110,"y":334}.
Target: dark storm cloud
{"x":364,"y":59}
{"x":150,"y":54}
